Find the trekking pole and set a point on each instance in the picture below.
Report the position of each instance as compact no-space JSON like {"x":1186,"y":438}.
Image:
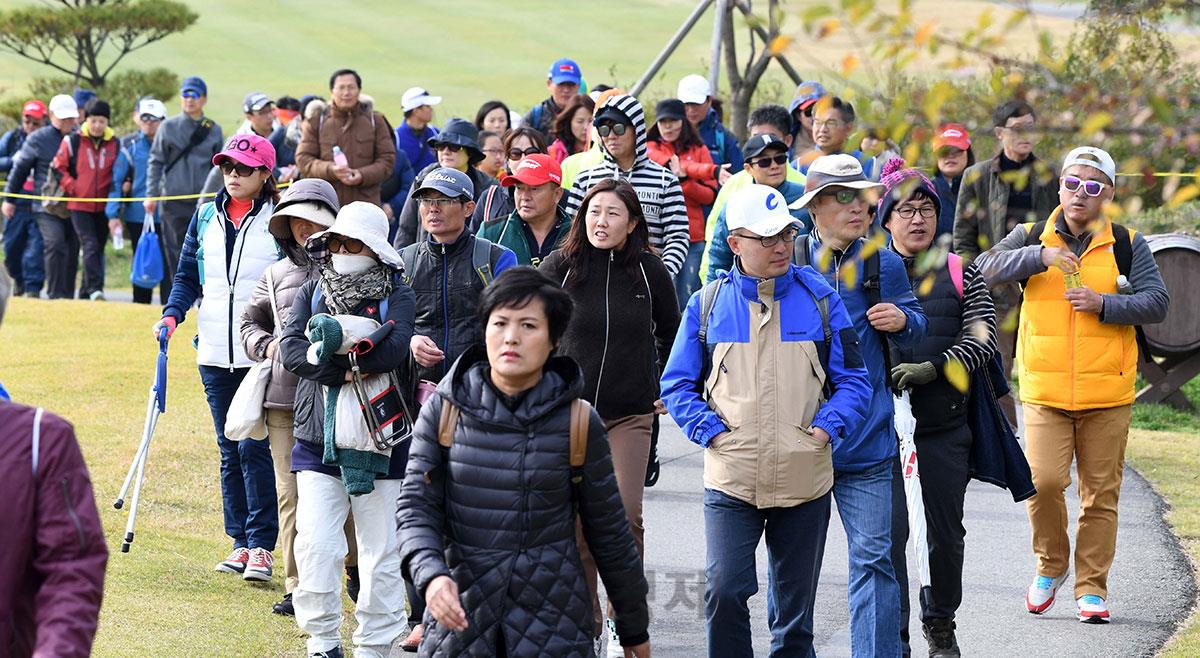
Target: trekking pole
{"x":156,"y":405}
{"x":140,"y":455}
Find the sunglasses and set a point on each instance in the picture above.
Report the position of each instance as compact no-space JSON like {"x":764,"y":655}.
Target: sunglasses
{"x":763,"y":163}
{"x":446,"y":146}
{"x":189,"y":94}
{"x":337,"y":243}
{"x":787,"y":235}
{"x":229,"y":166}
{"x":149,"y":118}
{"x":617,"y":129}
{"x":844,"y":196}
{"x":1090,"y":187}
{"x":517,"y":154}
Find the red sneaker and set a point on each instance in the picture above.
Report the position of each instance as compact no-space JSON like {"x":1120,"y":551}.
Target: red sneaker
{"x":236,"y":562}
{"x":259,"y":565}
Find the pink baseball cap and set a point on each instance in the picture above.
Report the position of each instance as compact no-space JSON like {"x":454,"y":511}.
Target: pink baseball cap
{"x":250,"y":150}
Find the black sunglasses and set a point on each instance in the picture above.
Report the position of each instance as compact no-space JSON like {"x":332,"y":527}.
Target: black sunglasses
{"x":447,"y":146}
{"x":617,"y":129}
{"x":517,"y":154}
{"x":763,"y":163}
{"x":353,"y":246}
{"x":229,"y":166}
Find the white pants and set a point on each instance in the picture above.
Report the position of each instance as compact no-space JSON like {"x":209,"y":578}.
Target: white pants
{"x":321,"y":508}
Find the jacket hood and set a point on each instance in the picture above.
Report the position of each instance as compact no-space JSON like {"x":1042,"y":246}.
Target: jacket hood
{"x":467,"y":385}
{"x":632,"y":109}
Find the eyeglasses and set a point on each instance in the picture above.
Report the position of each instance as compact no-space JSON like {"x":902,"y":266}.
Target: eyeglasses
{"x":229,"y":166}
{"x":517,"y":154}
{"x":844,"y":196}
{"x":446,"y":146}
{"x":908,"y":212}
{"x":832,"y":124}
{"x":1090,"y":187}
{"x":1026,"y":129}
{"x":337,"y":243}
{"x":787,"y":235}
{"x":617,"y":129}
{"x":437,"y":202}
{"x":494,"y":151}
{"x":763,"y":163}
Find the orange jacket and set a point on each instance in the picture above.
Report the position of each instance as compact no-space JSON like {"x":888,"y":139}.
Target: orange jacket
{"x":699,"y":183}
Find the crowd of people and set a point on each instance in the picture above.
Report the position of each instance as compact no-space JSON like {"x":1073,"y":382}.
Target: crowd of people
{"x":532,"y":293}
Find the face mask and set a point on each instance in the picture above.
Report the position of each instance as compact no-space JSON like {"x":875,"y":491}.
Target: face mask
{"x":352,"y":263}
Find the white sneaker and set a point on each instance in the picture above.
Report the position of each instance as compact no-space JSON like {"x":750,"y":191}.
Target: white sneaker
{"x":1092,"y":609}
{"x":615,"y":650}
{"x":1040,"y":595}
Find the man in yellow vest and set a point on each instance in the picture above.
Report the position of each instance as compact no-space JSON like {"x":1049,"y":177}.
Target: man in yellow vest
{"x":1078,"y":360}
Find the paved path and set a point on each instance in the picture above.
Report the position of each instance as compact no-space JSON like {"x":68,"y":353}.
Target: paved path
{"x":1151,"y":583}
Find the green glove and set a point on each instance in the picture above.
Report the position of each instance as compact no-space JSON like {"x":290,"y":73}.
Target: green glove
{"x":908,"y":375}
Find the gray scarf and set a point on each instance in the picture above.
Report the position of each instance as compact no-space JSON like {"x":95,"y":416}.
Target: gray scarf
{"x":344,"y":292}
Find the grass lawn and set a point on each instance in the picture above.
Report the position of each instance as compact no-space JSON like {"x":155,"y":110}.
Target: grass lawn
{"x":163,"y":598}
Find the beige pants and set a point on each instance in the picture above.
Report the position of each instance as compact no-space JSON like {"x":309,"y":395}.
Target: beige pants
{"x":279,"y":433}
{"x":1095,"y":440}
{"x":629,"y":441}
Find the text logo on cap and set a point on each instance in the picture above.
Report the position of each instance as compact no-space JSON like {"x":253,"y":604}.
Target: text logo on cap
{"x":240,"y":144}
{"x":952,"y":133}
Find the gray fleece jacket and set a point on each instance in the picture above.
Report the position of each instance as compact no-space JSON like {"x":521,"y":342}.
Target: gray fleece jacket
{"x":1011,"y":260}
{"x":188,"y":174}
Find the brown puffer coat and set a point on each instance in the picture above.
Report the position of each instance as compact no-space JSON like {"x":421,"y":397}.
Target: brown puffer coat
{"x":259,"y":327}
{"x":363,"y":135}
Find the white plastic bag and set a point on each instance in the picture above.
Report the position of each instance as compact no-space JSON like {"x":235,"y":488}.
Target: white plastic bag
{"x":246,"y":418}
{"x":351,"y":430}
{"x":906,"y":428}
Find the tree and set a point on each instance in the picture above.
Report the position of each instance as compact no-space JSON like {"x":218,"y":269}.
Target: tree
{"x":74,"y":36}
{"x":765,"y":45}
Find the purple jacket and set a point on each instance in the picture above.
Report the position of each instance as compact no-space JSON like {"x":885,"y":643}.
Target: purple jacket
{"x":53,"y":555}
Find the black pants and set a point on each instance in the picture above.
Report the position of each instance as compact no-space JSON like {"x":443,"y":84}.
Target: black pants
{"x":92,"y":230}
{"x":416,"y":604}
{"x":62,"y":255}
{"x":174,"y":217}
{"x":943,"y":463}
{"x":133,"y":231}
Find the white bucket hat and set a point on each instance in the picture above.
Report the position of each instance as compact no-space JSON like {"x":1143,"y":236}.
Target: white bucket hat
{"x":365,"y":222}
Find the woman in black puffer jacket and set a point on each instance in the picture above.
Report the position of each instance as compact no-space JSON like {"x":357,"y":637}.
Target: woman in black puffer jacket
{"x":493,"y":516}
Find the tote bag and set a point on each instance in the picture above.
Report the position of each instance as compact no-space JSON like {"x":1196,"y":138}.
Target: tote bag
{"x":147,"y":269}
{"x":247,"y":418}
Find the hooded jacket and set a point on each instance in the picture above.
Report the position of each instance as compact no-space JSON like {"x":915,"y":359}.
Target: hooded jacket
{"x":53,"y":555}
{"x":94,"y":162}
{"x":657,"y":188}
{"x":497,"y":512}
{"x":33,"y":160}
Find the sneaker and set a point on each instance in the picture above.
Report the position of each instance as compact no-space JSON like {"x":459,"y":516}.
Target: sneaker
{"x":413,"y":641}
{"x":1040,"y":596}
{"x":259,"y":565}
{"x":615,"y":650}
{"x":284,"y":607}
{"x":236,"y":562}
{"x":352,"y":583}
{"x":96,"y":296}
{"x":939,"y":634}
{"x":335,"y":652}
{"x":1092,"y":609}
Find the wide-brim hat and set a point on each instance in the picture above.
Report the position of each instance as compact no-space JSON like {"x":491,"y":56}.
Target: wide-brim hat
{"x":313,"y":199}
{"x":838,"y":170}
{"x":365,"y":222}
{"x":464,"y":134}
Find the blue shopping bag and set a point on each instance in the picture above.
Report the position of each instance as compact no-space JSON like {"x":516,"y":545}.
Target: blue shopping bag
{"x":147,"y":268}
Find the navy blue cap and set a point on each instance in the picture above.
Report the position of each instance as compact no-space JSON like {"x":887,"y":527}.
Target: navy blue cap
{"x":451,"y":182}
{"x":82,"y":96}
{"x":194,"y":83}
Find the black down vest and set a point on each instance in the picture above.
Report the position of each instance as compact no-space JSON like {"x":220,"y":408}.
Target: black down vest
{"x":496,"y":512}
{"x":447,"y":288}
{"x":937,"y":405}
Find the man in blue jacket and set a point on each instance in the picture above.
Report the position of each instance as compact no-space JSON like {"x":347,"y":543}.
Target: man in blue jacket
{"x":131,"y":166}
{"x":874,"y":285}
{"x":696,"y":95}
{"x":765,"y":373}
{"x":22,"y":239}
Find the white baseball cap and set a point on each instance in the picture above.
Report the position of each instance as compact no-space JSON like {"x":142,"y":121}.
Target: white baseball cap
{"x":415,"y":97}
{"x":153,"y":107}
{"x":1092,"y":157}
{"x":760,"y":209}
{"x":693,"y":89}
{"x":63,"y":106}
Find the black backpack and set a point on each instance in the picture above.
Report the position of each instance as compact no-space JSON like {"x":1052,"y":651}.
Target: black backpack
{"x":1122,"y":253}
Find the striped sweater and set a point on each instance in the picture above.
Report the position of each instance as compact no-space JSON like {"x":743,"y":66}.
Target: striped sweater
{"x":657,"y":188}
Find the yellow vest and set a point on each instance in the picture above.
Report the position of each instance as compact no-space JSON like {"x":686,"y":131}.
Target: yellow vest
{"x":1071,"y":360}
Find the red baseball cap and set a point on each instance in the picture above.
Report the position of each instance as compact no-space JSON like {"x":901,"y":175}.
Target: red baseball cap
{"x":536,"y":169}
{"x":952,"y":134}
{"x":35,"y":109}
{"x":250,"y":150}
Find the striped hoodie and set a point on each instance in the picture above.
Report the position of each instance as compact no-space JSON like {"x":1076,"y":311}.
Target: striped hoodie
{"x":656,"y":186}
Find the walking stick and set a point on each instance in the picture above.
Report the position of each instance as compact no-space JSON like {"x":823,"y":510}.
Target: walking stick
{"x":156,"y":405}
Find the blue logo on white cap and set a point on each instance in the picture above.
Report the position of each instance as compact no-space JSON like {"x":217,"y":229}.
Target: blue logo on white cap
{"x":772,"y":201}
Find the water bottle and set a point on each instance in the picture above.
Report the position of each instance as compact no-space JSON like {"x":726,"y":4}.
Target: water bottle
{"x":1124,"y":287}
{"x":118,"y":237}
{"x":339,"y":158}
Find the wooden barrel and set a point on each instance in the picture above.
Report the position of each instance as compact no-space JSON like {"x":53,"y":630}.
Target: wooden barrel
{"x":1178,"y":257}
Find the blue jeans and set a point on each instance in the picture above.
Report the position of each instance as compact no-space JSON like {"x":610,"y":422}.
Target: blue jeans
{"x":688,"y":279}
{"x":864,"y":501}
{"x":247,"y":472}
{"x":795,"y":545}
{"x":23,"y":251}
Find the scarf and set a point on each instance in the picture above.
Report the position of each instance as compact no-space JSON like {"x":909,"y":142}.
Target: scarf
{"x":344,"y":292}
